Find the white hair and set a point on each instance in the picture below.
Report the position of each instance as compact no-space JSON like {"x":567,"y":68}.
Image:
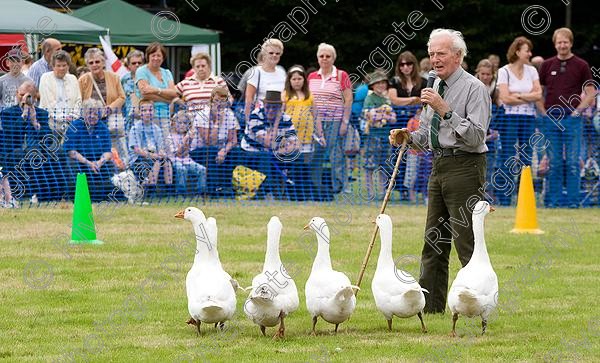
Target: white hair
{"x":93,"y":53}
{"x":324,"y":47}
{"x":273,"y":42}
{"x":91,"y":104}
{"x":458,"y":42}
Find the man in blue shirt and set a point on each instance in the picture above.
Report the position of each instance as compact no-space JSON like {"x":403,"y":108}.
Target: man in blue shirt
{"x":270,"y":144}
{"x":42,"y":65}
{"x":88,"y":143}
{"x":29,"y":152}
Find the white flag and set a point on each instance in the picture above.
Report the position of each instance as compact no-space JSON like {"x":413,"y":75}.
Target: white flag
{"x":112,"y":62}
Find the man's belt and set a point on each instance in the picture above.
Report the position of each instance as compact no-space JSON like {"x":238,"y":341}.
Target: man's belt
{"x":442,"y":153}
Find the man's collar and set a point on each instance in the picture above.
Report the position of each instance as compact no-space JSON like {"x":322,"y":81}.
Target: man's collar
{"x":455,"y":76}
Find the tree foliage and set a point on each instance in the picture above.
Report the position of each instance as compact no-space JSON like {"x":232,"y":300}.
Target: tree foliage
{"x":357,"y":28}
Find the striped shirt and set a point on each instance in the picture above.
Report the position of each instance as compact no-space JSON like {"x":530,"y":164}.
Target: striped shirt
{"x":37,"y":69}
{"x":195,"y":92}
{"x":327,"y":92}
{"x":258,"y":125}
{"x":226,"y":123}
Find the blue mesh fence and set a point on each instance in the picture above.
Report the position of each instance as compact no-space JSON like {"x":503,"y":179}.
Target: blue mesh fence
{"x":205,"y":156}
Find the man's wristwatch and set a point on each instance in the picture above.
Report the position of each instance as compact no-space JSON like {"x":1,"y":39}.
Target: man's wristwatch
{"x":448,"y":115}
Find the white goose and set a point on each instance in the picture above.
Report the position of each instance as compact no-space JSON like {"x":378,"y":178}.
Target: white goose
{"x":210,"y":290}
{"x":274,"y":294}
{"x":474,"y":291}
{"x":329,"y":293}
{"x":396,"y":292}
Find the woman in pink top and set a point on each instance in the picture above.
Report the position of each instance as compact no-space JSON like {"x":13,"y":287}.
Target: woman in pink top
{"x":332,"y":92}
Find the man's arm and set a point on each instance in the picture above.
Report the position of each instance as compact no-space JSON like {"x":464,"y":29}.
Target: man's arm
{"x":472,"y":129}
{"x":419,"y":139}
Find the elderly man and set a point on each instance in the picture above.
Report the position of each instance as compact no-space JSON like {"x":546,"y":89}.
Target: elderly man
{"x":453,"y":126}
{"x":30,"y":152}
{"x":270,"y":143}
{"x":88,"y":144}
{"x":42,"y":65}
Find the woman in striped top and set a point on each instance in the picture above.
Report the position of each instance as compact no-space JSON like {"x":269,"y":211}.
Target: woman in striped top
{"x":332,"y":92}
{"x":195,"y":91}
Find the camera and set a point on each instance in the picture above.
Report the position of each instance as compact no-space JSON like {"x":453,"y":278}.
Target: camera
{"x":28,"y":99}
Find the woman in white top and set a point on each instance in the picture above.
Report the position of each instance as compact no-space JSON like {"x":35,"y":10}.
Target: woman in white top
{"x":267,"y":76}
{"x":60,"y":94}
{"x":519,"y":89}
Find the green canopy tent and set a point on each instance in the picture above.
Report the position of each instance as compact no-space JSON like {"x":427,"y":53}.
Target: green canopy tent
{"x":130,"y":25}
{"x":24,"y":17}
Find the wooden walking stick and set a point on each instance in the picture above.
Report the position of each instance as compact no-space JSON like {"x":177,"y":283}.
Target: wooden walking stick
{"x":383,"y":205}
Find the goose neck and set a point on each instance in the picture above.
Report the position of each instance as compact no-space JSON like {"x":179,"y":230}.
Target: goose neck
{"x":385,"y":254}
{"x":479,"y":250}
{"x":272,"y":258}
{"x":323,"y":259}
{"x":205,"y":248}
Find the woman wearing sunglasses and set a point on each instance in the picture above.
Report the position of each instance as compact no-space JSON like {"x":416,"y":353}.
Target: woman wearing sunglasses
{"x":267,"y":76}
{"x":406,"y":85}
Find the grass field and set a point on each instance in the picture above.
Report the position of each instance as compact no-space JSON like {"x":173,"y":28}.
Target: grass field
{"x":125,"y":301}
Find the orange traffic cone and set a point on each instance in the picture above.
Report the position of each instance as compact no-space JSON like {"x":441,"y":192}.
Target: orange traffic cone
{"x":526,"y":218}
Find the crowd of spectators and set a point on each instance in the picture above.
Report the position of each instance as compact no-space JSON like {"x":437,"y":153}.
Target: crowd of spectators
{"x":188,"y":137}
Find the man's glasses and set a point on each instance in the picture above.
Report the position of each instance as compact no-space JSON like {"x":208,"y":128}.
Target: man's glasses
{"x":563,"y":66}
{"x":135,"y":63}
{"x":94,"y":62}
{"x":325,"y":56}
{"x":406,"y":64}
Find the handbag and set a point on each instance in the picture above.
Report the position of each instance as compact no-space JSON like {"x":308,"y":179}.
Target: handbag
{"x":246,"y":182}
{"x":352,"y":141}
{"x":115,"y":121}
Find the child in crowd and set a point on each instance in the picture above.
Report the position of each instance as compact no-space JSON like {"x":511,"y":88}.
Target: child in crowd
{"x":148,"y":150}
{"x":184,"y":140}
{"x":299,"y":106}
{"x":590,"y":177}
{"x":378,"y":114}
{"x":6,"y":199}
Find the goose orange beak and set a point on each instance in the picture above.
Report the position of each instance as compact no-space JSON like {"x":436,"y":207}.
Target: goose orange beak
{"x":180,"y":214}
{"x":373,"y":222}
{"x":307,"y":227}
{"x":492,"y":209}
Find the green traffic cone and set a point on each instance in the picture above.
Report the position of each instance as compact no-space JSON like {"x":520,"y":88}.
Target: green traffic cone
{"x":83,"y":230}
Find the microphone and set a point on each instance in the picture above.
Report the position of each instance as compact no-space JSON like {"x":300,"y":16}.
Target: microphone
{"x":430,"y":80}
